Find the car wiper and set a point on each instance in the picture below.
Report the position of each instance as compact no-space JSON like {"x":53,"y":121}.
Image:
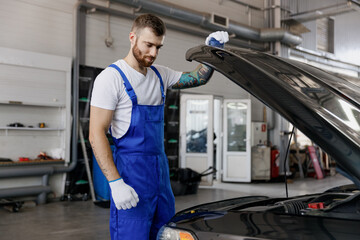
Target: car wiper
{"x":222,"y":204}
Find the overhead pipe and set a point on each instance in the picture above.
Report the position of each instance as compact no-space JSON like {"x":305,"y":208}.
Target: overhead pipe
{"x":323,"y":58}
{"x":200,"y":19}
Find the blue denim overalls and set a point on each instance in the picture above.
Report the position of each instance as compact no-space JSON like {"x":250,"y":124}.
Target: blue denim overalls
{"x":141,"y":161}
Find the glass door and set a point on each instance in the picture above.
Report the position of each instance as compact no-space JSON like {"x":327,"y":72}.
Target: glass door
{"x":237,"y":149}
{"x":196,"y":132}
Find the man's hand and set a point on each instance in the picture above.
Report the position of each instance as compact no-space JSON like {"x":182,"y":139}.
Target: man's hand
{"x":217,"y":39}
{"x":123,"y":195}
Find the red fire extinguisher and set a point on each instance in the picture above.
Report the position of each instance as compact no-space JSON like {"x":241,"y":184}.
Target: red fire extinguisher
{"x":275,"y":163}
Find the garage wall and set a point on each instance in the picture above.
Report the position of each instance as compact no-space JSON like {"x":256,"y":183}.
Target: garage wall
{"x":347,"y":46}
{"x":37,"y":25}
{"x":47,"y":27}
{"x":347,"y":33}
{"x":251,"y":16}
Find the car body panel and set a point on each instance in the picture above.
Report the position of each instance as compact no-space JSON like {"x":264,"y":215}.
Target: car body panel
{"x":260,"y":217}
{"x":269,"y":225}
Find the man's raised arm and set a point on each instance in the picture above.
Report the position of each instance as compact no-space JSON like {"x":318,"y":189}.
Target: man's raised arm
{"x":202,"y":73}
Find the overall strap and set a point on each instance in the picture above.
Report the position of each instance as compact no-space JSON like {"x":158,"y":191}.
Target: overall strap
{"x":161,"y":83}
{"x":130,"y":91}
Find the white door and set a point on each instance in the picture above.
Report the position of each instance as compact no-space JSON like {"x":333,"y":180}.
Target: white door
{"x":196,"y":133}
{"x":218,"y":136}
{"x":237,"y":149}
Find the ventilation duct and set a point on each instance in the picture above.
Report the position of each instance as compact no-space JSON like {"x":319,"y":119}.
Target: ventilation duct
{"x":204,"y":20}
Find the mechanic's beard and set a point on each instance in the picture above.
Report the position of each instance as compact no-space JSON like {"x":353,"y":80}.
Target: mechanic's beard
{"x":143,"y":60}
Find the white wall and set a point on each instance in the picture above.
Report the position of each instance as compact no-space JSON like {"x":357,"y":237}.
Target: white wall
{"x":47,"y":27}
{"x":347,"y":32}
{"x":38,"y":26}
{"x":347,"y":35}
{"x":236,"y":12}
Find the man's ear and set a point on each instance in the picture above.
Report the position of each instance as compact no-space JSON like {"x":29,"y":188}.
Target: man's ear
{"x":132,"y":38}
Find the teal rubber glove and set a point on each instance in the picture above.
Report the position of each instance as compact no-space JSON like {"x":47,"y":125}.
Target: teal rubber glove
{"x":123,"y":195}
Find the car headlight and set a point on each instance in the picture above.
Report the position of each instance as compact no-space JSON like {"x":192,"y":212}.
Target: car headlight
{"x":167,"y":233}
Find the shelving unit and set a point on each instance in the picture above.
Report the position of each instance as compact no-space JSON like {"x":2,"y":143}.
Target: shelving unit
{"x":34,"y":88}
{"x":7,"y":129}
{"x":86,"y":81}
{"x":33,"y":139}
{"x":87,"y":75}
{"x":31,"y":129}
{"x":171,"y":131}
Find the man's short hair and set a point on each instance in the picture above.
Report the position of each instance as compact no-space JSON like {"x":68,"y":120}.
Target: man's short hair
{"x":151,"y":21}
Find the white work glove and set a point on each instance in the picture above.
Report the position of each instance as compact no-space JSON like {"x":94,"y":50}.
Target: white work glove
{"x":123,"y":195}
{"x":217,"y":39}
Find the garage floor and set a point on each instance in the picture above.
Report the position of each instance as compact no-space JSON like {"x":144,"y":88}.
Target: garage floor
{"x":84,"y":220}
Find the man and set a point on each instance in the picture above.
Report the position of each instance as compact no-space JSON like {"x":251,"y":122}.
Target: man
{"x":128,"y":100}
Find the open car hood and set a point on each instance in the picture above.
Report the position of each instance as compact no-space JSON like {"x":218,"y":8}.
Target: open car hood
{"x":324,"y":107}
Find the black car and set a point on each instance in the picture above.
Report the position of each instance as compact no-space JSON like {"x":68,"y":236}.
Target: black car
{"x":324,"y":107}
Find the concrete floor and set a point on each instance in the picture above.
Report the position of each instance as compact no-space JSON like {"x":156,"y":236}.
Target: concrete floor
{"x":84,"y":220}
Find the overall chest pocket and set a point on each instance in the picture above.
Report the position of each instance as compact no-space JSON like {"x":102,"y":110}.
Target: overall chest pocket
{"x":154,"y":129}
{"x":153,"y":113}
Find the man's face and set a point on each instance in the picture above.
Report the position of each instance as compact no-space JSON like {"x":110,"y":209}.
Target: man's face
{"x":145,"y":46}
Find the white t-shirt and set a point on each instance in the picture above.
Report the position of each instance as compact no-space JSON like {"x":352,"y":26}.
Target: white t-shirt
{"x":109,"y":91}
